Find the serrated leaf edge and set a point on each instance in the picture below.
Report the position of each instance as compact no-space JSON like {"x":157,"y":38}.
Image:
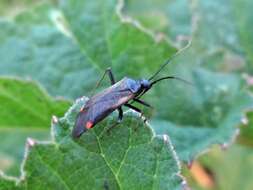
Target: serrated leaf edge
{"x":32,"y":142}
{"x":233,"y":138}
{"x":158,"y":37}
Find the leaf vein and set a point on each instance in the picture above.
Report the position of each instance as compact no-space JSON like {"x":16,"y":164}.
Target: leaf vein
{"x":53,"y":170}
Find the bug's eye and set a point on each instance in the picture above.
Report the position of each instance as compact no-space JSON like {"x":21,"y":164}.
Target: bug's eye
{"x":145,"y":83}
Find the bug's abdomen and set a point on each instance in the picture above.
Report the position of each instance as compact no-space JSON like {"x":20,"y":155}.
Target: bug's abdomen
{"x":82,"y":123}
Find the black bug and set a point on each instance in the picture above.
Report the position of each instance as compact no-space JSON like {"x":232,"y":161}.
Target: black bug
{"x":113,"y":98}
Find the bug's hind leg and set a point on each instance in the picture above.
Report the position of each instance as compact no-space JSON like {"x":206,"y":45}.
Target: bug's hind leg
{"x":110,"y":74}
{"x":120,"y":117}
{"x":108,"y":71}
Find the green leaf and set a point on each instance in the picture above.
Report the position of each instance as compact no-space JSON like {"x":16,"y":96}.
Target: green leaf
{"x":14,"y":7}
{"x":128,"y":156}
{"x":110,"y":39}
{"x":244,"y":18}
{"x":215,"y":27}
{"x":219,"y":47}
{"x":210,"y":117}
{"x":36,"y":49}
{"x":107,"y":39}
{"x":216,"y":99}
{"x":170,"y":17}
{"x":246,"y":130}
{"x":209,"y":112}
{"x":121,"y":45}
{"x":25,"y":111}
{"x":182,"y":19}
{"x":9,"y":184}
{"x":234,"y":166}
{"x":210,"y":24}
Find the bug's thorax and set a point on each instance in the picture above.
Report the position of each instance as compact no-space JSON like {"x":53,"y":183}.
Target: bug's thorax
{"x":137,"y":86}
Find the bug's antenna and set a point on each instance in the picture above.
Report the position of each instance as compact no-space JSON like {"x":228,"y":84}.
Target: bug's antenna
{"x":170,"y":77}
{"x":163,"y":78}
{"x":169,"y":61}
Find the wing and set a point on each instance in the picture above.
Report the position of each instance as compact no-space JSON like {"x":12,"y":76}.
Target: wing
{"x":102,"y":108}
{"x":82,"y":123}
{"x":115,"y":92}
{"x":101,"y":105}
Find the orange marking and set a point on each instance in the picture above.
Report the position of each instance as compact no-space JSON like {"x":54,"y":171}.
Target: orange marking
{"x":82,"y":108}
{"x":89,"y":125}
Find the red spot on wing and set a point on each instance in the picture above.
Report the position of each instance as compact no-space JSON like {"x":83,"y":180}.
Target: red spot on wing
{"x":89,"y":125}
{"x":82,"y":109}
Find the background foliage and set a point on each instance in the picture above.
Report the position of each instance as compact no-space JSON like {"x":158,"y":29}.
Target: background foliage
{"x":53,"y":52}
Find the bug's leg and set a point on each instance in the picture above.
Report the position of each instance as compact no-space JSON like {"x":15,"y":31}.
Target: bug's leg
{"x":108,"y":71}
{"x":135,"y":109}
{"x":145,"y":104}
{"x":110,"y":74}
{"x":120,"y":117}
{"x":142,"y":102}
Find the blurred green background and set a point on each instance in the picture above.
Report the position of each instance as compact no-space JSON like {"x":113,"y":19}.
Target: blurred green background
{"x":222,"y":42}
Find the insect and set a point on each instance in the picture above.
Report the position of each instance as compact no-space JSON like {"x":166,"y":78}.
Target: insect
{"x":121,"y":93}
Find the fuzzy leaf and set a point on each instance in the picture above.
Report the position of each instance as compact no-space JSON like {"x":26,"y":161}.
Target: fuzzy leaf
{"x":128,"y":156}
{"x":234,"y":165}
{"x":207,"y":113}
{"x":8,"y":184}
{"x":184,"y":20}
{"x":14,"y":7}
{"x":168,"y":16}
{"x":110,"y":39}
{"x":210,"y":117}
{"x":244,"y":18}
{"x":223,"y":34}
{"x":246,"y":131}
{"x":33,"y":47}
{"x":56,"y":61}
{"x":25,"y":111}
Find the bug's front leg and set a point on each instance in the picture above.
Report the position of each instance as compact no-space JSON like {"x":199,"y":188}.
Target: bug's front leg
{"x":143,"y":103}
{"x":136,"y":109}
{"x":133,"y":108}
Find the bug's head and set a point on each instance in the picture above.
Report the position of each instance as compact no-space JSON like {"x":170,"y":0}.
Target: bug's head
{"x":145,"y":84}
